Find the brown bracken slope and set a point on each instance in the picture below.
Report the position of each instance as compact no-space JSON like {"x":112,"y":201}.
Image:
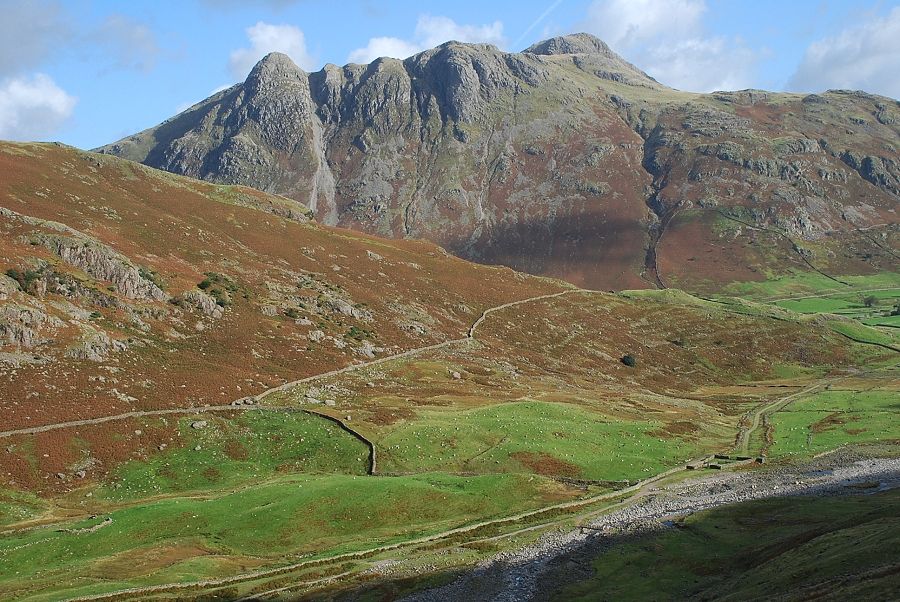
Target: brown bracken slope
{"x":132,"y":289}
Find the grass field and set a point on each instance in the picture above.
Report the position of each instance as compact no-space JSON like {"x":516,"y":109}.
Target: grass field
{"x":188,"y":537}
{"x":530,"y":436}
{"x":17,"y":506}
{"x":811,"y":293}
{"x":865,"y":334}
{"x":250,"y":447}
{"x":811,"y":283}
{"x":832,"y":418}
{"x":853,"y":305}
{"x":463,"y":434}
{"x":801,"y":548}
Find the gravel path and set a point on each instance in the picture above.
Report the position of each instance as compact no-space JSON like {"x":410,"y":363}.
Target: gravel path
{"x":524,"y":574}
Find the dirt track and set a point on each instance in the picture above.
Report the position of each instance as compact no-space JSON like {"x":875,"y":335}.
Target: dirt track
{"x":470,"y":335}
{"x":743,"y":439}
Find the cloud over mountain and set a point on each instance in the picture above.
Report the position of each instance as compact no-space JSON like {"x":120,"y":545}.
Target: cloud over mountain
{"x":865,"y":56}
{"x":265,"y":38}
{"x":430,"y":32}
{"x":32,"y":107}
{"x":669,"y":40}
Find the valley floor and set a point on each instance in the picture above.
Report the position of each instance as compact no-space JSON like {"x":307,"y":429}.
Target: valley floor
{"x":593,"y":560}
{"x":279,"y":503}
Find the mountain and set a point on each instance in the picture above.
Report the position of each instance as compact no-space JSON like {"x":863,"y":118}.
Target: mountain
{"x":562,"y":160}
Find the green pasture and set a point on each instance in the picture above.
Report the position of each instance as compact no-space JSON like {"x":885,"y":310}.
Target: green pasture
{"x":272,"y":523}
{"x":797,"y":284}
{"x":829,"y":419}
{"x":228,"y":452}
{"x":530,"y":436}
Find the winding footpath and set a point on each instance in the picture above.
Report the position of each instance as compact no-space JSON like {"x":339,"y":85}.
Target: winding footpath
{"x":630,"y":494}
{"x":743,"y":439}
{"x":831,"y":293}
{"x":250,"y":403}
{"x":532,"y":572}
{"x":242,"y":405}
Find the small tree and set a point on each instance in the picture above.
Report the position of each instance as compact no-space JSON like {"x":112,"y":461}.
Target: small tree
{"x":629,"y":360}
{"x":870,"y":301}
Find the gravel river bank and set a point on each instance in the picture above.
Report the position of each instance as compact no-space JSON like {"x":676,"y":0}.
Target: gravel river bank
{"x":529,"y":573}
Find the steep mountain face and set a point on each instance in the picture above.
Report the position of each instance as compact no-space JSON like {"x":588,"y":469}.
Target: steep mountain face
{"x":562,"y":160}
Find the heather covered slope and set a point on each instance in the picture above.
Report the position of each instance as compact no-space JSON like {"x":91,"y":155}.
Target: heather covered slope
{"x":126,"y":288}
{"x":563,"y":160}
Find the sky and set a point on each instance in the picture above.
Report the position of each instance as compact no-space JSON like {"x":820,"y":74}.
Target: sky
{"x":89,"y":72}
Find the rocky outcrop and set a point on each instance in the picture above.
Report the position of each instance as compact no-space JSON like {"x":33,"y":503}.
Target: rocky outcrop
{"x":883,"y":172}
{"x":95,"y":346}
{"x":203,"y":302}
{"x":103,"y":263}
{"x":8,"y":287}
{"x":21,"y":325}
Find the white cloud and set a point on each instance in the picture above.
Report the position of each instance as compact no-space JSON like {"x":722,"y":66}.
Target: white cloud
{"x":702,"y":64}
{"x":865,"y":56}
{"x":379,"y":47}
{"x":265,"y":38}
{"x":130,"y":43}
{"x":624,"y":23}
{"x":430,"y":31}
{"x":32,"y":107}
{"x":668,"y":41}
{"x":30,"y":30}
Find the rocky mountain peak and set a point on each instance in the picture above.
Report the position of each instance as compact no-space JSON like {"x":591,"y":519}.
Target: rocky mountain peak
{"x":273,"y":68}
{"x":563,"y":159}
{"x":576,"y":43}
{"x":591,"y":54}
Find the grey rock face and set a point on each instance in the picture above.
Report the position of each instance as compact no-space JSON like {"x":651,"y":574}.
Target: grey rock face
{"x":22,"y":325}
{"x":96,"y":346}
{"x":104,"y":263}
{"x":203,"y":302}
{"x":8,"y":286}
{"x":579,"y":43}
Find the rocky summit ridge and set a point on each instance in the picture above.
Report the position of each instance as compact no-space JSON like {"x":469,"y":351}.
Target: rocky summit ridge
{"x":563,"y":160}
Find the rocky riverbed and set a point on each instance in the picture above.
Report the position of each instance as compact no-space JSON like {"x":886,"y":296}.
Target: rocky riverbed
{"x":530,"y":573}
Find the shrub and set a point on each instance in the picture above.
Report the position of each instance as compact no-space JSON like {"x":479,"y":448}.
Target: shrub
{"x":219,"y":287}
{"x":359,"y":333}
{"x":870,"y":301}
{"x":25,"y":279}
{"x":629,"y":360}
{"x":151,"y":276}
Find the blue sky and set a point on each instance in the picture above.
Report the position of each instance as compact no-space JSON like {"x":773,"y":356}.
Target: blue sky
{"x":89,"y":72}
